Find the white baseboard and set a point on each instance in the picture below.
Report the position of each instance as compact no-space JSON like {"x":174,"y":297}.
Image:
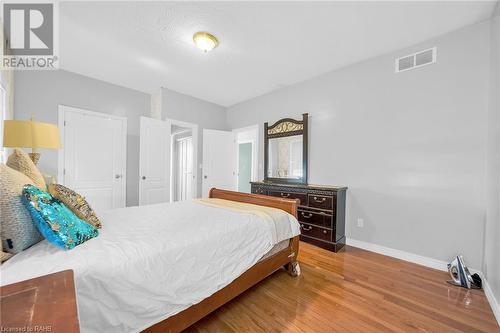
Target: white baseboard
{"x":428,"y":262}
{"x":495,"y":307}
{"x":407,"y":256}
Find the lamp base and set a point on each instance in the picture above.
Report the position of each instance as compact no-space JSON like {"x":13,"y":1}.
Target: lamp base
{"x":35,"y":157}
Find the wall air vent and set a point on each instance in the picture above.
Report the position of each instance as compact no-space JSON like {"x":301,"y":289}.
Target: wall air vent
{"x":416,"y":60}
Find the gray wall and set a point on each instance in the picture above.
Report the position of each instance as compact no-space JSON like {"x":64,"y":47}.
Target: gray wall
{"x":39,"y":93}
{"x":409,"y":146}
{"x":492,"y":233}
{"x":193,"y":110}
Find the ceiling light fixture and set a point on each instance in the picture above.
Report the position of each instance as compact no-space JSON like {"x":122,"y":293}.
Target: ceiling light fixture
{"x":205,"y":41}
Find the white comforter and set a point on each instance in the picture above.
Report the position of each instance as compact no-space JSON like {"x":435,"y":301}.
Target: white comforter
{"x":151,"y":262}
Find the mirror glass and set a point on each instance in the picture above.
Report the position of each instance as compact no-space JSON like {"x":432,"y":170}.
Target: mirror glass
{"x":285,"y":157}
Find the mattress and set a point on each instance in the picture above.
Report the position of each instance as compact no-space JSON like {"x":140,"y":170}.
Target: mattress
{"x":151,"y":262}
{"x":276,"y":248}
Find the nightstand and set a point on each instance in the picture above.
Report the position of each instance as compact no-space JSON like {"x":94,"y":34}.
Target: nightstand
{"x":43,"y":304}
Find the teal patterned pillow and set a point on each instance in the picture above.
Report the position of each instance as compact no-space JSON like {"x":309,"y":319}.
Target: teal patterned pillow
{"x":56,"y":222}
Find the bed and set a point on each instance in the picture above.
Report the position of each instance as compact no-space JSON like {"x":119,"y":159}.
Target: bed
{"x":161,"y":268}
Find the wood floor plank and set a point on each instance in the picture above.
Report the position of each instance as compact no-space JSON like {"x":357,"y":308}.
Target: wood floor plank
{"x":354,"y":291}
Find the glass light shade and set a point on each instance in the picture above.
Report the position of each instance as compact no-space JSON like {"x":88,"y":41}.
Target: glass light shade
{"x":205,"y":41}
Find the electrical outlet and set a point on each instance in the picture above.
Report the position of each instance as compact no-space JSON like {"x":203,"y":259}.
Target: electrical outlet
{"x":361,"y":222}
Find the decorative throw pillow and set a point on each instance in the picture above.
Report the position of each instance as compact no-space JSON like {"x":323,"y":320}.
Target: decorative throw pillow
{"x":17,"y":230}
{"x":75,"y":202}
{"x":21,"y":162}
{"x":56,"y":222}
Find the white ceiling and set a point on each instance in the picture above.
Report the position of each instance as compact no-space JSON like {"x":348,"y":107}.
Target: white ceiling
{"x":263,"y":45}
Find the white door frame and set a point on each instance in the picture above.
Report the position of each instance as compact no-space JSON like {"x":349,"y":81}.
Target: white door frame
{"x":194,"y":134}
{"x":255,"y":150}
{"x":4,"y":109}
{"x":61,"y":110}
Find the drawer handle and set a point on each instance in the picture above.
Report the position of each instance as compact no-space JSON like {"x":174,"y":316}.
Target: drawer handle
{"x":306,"y":228}
{"x":285,"y":195}
{"x":319,"y":200}
{"x":307,"y":216}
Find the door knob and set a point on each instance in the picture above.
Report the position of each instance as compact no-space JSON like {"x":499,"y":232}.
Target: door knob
{"x":118,"y":176}
{"x":205,"y":176}
{"x":143,"y":177}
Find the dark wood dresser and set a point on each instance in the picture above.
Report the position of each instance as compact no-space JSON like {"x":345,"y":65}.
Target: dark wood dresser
{"x":321,"y":211}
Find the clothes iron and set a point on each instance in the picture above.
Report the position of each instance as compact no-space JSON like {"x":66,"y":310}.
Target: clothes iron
{"x":460,"y":275}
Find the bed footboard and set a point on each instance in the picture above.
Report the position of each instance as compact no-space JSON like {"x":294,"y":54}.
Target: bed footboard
{"x":288,"y":205}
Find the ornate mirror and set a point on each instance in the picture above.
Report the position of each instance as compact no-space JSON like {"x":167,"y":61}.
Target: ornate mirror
{"x":285,"y":151}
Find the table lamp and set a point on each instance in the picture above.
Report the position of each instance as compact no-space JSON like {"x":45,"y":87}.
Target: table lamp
{"x":30,"y":134}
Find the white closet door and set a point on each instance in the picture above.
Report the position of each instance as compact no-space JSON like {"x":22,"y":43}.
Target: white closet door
{"x":219,"y":161}
{"x":94,"y":156}
{"x":154,"y":164}
{"x":184,"y":168}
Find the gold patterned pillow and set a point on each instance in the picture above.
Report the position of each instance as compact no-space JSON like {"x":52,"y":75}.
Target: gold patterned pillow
{"x":4,"y":255}
{"x":21,"y":162}
{"x":75,"y":202}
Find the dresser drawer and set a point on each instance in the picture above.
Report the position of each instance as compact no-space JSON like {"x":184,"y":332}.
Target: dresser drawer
{"x":258,"y":190}
{"x":316,"y":232}
{"x":316,"y":218}
{"x":321,"y":201}
{"x":290,"y":195}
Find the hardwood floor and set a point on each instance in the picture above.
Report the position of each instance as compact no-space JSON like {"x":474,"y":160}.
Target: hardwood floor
{"x":354,"y":291}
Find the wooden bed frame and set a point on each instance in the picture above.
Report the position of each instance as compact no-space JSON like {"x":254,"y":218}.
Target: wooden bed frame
{"x":286,"y":258}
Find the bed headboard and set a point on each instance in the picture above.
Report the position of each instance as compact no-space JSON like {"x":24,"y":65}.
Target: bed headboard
{"x":288,"y":205}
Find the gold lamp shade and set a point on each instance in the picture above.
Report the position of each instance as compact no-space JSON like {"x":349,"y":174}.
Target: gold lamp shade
{"x":30,"y":134}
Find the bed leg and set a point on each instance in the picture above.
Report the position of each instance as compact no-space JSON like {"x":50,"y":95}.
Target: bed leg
{"x":293,"y":267}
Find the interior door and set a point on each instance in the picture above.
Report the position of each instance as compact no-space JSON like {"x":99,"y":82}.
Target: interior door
{"x":94,"y":156}
{"x":184,"y":169}
{"x":219,"y":161}
{"x":154,"y":164}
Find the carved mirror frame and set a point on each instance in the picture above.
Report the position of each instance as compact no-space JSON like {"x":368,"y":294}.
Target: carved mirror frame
{"x":282,"y":128}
